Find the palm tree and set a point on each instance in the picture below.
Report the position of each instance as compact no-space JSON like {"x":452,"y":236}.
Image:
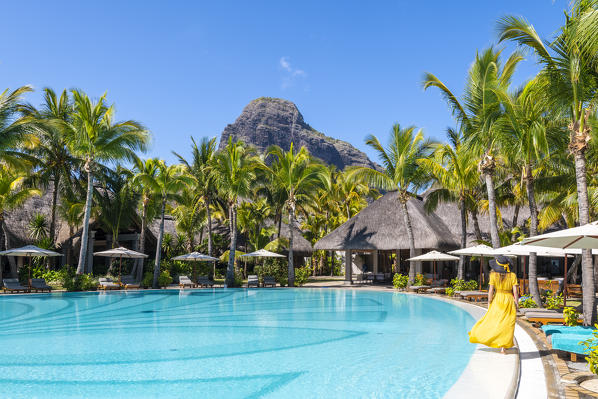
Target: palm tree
{"x":165,"y":184}
{"x":189,"y":217}
{"x":569,"y":83}
{"x":15,"y":131}
{"x":300,"y":177}
{"x":94,"y":136}
{"x":234,"y":174}
{"x":149,"y":168}
{"x":55,"y":162}
{"x":477,"y":114}
{"x":400,"y":172}
{"x":13,"y":193}
{"x":454,"y":170}
{"x":200,"y":168}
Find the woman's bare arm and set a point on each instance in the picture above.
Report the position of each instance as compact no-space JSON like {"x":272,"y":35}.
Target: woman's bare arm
{"x":516,"y":295}
{"x":490,"y":293}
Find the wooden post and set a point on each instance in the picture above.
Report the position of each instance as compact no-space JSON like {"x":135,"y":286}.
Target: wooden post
{"x":565,"y":284}
{"x":375,"y":261}
{"x":348,"y":267}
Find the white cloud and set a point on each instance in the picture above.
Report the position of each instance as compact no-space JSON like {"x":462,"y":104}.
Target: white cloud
{"x":291,"y":74}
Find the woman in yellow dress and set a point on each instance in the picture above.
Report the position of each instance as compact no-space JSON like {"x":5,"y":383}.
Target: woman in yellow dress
{"x":497,"y":327}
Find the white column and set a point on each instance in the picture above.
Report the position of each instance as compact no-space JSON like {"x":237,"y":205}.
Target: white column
{"x":348,"y":267}
{"x":375,"y":255}
{"x":418,"y":265}
{"x":90,"y":242}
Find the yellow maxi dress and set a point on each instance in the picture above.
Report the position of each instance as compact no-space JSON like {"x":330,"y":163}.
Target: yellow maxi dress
{"x":497,"y":326}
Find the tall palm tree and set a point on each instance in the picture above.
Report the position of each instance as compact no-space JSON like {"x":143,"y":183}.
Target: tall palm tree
{"x":570,"y":83}
{"x":200,"y":165}
{"x":234,"y":174}
{"x":165,"y":184}
{"x":94,"y":136}
{"x":149,"y":168}
{"x":55,"y":163}
{"x":477,"y":114}
{"x":400,"y":172}
{"x":13,"y":193}
{"x":300,"y":177}
{"x":189,"y":216}
{"x":15,"y":130}
{"x":456,"y":175}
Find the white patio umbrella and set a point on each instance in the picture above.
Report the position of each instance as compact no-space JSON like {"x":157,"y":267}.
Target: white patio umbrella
{"x":261,"y":253}
{"x":29,"y":251}
{"x":121,"y":252}
{"x":480,"y":250}
{"x":195,"y":257}
{"x":433,"y":256}
{"x":581,"y":237}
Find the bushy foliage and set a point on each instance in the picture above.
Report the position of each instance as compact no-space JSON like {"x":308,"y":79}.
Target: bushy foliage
{"x":302,"y":275}
{"x":78,"y":282}
{"x":275,"y":267}
{"x":164,"y":279}
{"x":450,"y":291}
{"x":238,"y":278}
{"x":148,"y":279}
{"x":400,"y":280}
{"x":462,"y":285}
{"x":554,"y":301}
{"x":527,"y":302}
{"x":571,"y":316}
{"x":419,"y":280}
{"x":591,"y":345}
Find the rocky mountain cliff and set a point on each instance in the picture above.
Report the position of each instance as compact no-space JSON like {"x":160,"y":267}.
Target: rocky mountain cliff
{"x":267,"y":121}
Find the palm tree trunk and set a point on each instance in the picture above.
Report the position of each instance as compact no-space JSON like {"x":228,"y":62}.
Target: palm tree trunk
{"x":279,"y":224}
{"x":533,"y":230}
{"x":291,"y":234}
{"x":140,"y":262}
{"x":209,"y":215}
{"x":54,"y":205}
{"x":492,"y":210}
{"x":2,"y":235}
{"x":159,"y":246}
{"x":69,"y":248}
{"x":85,"y":233}
{"x":230,"y":270}
{"x":587,"y":267}
{"x":407,"y":221}
{"x":461,"y":267}
{"x":476,"y":225}
{"x":515,"y":215}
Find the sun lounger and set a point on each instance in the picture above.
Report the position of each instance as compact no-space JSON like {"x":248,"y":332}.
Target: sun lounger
{"x":106,"y":283}
{"x":550,"y":329}
{"x":13,"y":285}
{"x":546,"y":317}
{"x":204,"y":281}
{"x":128,"y":282}
{"x":39,"y":284}
{"x":540,"y":310}
{"x":569,"y":343}
{"x":269,"y":281}
{"x":185,"y":281}
{"x":419,"y":288}
{"x":473,"y":295}
{"x":574,"y":291}
{"x":437,"y":290}
{"x":252,"y":280}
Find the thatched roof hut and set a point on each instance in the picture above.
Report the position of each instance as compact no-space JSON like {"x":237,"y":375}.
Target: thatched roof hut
{"x":380,"y":226}
{"x":300,"y":244}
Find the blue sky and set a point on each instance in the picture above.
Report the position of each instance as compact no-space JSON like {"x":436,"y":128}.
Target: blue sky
{"x":189,"y":68}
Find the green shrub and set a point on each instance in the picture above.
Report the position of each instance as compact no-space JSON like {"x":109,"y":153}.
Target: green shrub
{"x":527,"y":302}
{"x":554,"y":302}
{"x":238,"y":278}
{"x":571,"y":316}
{"x":462,"y":285}
{"x":591,"y":345}
{"x":302,"y":275}
{"x":164,"y":279}
{"x":148,"y":280}
{"x":419,"y":280}
{"x":78,"y":282}
{"x":450,"y":291}
{"x":275,"y":267}
{"x":400,"y":280}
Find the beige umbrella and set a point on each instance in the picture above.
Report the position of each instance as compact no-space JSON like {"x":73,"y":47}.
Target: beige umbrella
{"x":121,"y":252}
{"x":29,"y":251}
{"x":433,"y":256}
{"x":261,"y":253}
{"x":195,"y":257}
{"x":481,"y":250}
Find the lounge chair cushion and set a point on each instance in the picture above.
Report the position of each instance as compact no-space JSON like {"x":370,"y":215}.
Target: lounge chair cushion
{"x":578,"y":330}
{"x":569,"y":342}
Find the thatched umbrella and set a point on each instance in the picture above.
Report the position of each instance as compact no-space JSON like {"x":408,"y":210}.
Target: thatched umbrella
{"x":195,"y":257}
{"x":121,"y":252}
{"x":433,"y":256}
{"x":29,"y":251}
{"x":261,"y":253}
{"x":477,"y":250}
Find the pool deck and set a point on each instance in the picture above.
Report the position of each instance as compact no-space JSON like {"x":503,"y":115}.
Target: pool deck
{"x":518,"y":374}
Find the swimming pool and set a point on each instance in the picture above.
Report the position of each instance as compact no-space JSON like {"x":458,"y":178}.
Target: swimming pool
{"x":231,"y":343}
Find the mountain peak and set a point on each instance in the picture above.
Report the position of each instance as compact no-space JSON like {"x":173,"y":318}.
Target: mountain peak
{"x":268,"y":121}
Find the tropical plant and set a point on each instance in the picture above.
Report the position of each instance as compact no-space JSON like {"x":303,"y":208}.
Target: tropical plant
{"x":401,"y":171}
{"x":15,"y":130}
{"x":571,"y":316}
{"x":95,"y":137}
{"x":400,"y":281}
{"x":38,"y":227}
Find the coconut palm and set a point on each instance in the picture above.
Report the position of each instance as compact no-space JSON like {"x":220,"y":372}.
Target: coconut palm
{"x":15,"y":130}
{"x":234,"y":174}
{"x":478,"y":112}
{"x":56,"y":163}
{"x":188,"y":214}
{"x":165,"y":185}
{"x":456,"y":176}
{"x":95,"y":137}
{"x":299,"y":177}
{"x":401,"y":172}
{"x":570,"y":83}
{"x":202,"y":159}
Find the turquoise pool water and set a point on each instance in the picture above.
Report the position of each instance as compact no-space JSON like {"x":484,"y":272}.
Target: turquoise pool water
{"x":234,"y":343}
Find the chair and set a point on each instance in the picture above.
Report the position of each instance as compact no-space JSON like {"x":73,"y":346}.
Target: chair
{"x":39,"y":284}
{"x":574,"y":291}
{"x":13,"y":285}
{"x":106,"y":283}
{"x":418,"y":288}
{"x":252,"y":279}
{"x":570,"y":343}
{"x":185,"y":281}
{"x":128,"y":282}
{"x":473,"y":295}
{"x":269,"y":281}
{"x":546,"y":317}
{"x":204,"y":281}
